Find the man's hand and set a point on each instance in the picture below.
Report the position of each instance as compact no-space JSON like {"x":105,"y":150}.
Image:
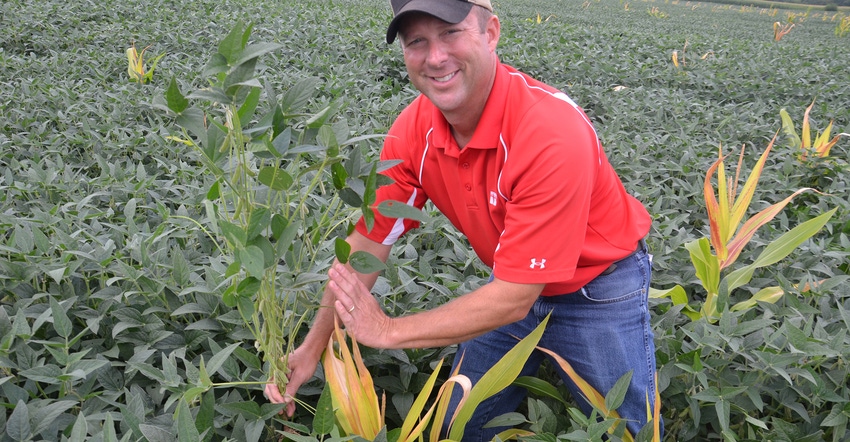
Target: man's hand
{"x":301,"y":367}
{"x":358,"y":309}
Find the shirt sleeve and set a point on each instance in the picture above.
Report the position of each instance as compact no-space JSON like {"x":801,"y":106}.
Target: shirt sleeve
{"x":405,"y":186}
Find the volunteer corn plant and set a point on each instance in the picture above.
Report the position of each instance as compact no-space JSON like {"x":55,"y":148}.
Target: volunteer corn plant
{"x":728,"y":237}
{"x":819,"y":146}
{"x":350,"y":404}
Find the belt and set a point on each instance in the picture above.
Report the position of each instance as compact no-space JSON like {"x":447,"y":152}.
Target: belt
{"x":640,"y":247}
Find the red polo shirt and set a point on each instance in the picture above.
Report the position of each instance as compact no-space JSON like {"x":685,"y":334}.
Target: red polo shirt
{"x":533,"y":190}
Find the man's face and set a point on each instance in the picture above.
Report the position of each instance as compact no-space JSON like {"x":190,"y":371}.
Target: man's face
{"x":451,"y":64}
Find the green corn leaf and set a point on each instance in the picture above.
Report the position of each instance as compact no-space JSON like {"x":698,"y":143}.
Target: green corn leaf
{"x":706,"y":265}
{"x":779,"y":249}
{"x":767,"y":294}
{"x":502,"y":374}
{"x":415,"y":412}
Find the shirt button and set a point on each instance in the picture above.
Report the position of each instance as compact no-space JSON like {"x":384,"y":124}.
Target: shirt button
{"x":468,"y":187}
{"x":465,"y":165}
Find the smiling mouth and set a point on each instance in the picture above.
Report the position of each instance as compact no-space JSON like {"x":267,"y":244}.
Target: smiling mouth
{"x":445,"y":78}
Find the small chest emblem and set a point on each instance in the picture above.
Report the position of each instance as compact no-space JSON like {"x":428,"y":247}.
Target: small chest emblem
{"x":538,"y":264}
{"x":492,"y":198}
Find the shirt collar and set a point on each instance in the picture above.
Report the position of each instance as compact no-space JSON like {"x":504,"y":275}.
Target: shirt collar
{"x":487,"y":131}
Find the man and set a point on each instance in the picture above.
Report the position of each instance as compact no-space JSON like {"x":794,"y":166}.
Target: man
{"x":517,"y":167}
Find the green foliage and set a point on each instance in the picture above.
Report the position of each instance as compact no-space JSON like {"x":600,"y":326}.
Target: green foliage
{"x":111,"y":281}
{"x":268,"y":171}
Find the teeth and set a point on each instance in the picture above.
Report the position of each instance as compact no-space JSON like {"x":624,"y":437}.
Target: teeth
{"x":446,"y":78}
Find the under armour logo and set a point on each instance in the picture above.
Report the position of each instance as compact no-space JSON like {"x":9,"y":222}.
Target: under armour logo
{"x":534,"y":263}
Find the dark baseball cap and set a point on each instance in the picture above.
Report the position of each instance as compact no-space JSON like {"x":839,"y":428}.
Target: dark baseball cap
{"x":449,"y":11}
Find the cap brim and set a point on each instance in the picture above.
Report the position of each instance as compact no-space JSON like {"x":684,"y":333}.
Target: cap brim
{"x":449,"y":11}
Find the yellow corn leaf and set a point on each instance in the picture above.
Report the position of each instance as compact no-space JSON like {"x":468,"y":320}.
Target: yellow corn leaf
{"x":442,"y":408}
{"x":749,"y":228}
{"x":806,"y":135}
{"x":592,"y":396}
{"x":442,"y":404}
{"x":718,"y":211}
{"x":656,"y":413}
{"x":676,"y":58}
{"x":409,"y":425}
{"x":723,"y":220}
{"x":513,"y":434}
{"x":822,"y":146}
{"x":355,"y":401}
{"x":135,"y":66}
{"x":788,"y":128}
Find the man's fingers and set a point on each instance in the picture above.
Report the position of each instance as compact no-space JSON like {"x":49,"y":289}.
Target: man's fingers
{"x":273,"y":394}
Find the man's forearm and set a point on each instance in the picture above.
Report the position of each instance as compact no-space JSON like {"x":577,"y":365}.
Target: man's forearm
{"x":463,"y":318}
{"x":323,"y":323}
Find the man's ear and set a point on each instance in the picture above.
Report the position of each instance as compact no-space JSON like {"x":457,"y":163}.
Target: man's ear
{"x":494,"y":29}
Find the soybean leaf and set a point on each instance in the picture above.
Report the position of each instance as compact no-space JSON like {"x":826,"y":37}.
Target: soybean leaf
{"x":231,"y":46}
{"x":80,"y":429}
{"x":186,"y":430}
{"x":248,"y":287}
{"x":234,"y":234}
{"x":61,"y":322}
{"x":251,"y":258}
{"x":339,"y":175}
{"x":365,"y":262}
{"x":297,"y":96}
{"x":18,"y":425}
{"x":614,"y":398}
{"x":174,"y":98}
{"x":257,"y":223}
{"x":342,"y":250}
{"x":398,"y":209}
{"x":275,"y":178}
{"x":220,"y":358}
{"x":540,"y":387}
{"x":323,"y":421}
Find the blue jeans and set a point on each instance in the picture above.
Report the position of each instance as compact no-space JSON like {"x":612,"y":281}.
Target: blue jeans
{"x":602,"y":330}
